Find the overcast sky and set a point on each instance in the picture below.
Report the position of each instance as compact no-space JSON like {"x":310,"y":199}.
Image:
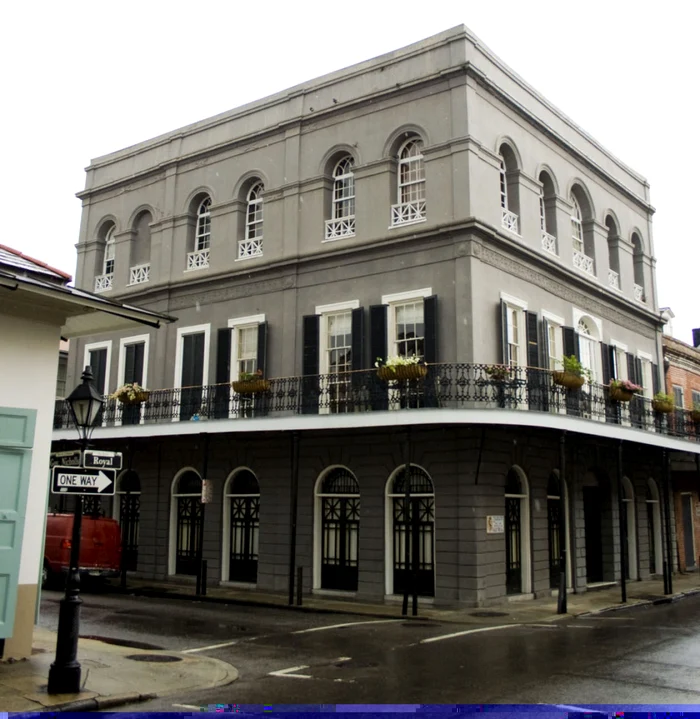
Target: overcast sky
{"x":84,"y":78}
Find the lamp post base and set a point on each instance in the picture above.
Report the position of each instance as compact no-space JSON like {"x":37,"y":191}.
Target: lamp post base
{"x":64,"y":679}
{"x":64,"y":674}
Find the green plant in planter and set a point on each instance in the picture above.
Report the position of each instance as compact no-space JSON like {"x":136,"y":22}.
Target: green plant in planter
{"x":573,"y":374}
{"x":499,"y":372}
{"x":663,"y":403}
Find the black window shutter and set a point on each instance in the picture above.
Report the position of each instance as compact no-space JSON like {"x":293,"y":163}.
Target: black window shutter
{"x":504,"y":333}
{"x":377,"y":338}
{"x":187,"y":375}
{"x":570,"y":342}
{"x":98,"y":365}
{"x":639,"y":375}
{"x":606,"y":357}
{"x":198,"y":366}
{"x":310,"y":390}
{"x":533,"y":345}
{"x":262,"y":348}
{"x":129,"y":363}
{"x":545,"y":343}
{"x":358,"y":338}
{"x":655,"y":378}
{"x":309,"y":361}
{"x":430,"y":350}
{"x":223,"y":355}
{"x":631,"y":368}
{"x":138,"y":362}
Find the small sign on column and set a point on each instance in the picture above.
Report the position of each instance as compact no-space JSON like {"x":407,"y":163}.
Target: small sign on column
{"x":207,"y":491}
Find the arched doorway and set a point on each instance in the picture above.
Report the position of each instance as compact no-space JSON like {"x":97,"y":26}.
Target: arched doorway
{"x":185,"y":522}
{"x":126,"y":509}
{"x":654,"y":528}
{"x":631,"y":534}
{"x":553,"y":528}
{"x":418,"y":519}
{"x":241,"y":527}
{"x":517,"y":529}
{"x":336,"y":530}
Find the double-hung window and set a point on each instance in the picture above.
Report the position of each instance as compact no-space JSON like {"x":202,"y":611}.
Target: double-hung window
{"x":133,"y":368}
{"x":336,"y":355}
{"x":409,"y":328}
{"x":513,"y":329}
{"x":554,"y":340}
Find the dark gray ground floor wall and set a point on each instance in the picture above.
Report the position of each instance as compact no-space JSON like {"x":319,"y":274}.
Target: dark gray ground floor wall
{"x":468,"y":468}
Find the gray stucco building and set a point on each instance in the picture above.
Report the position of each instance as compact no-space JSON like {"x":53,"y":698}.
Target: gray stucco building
{"x":425,"y":203}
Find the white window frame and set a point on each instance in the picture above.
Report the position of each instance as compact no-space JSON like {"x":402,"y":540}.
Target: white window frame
{"x":391,"y":301}
{"x":177,"y":381}
{"x":525,"y":532}
{"x":110,"y":249}
{"x":621,"y":372}
{"x":226,"y":533}
{"x":202,"y":234}
{"x":557,"y":323}
{"x":340,"y":180}
{"x":172,"y":529}
{"x":256,"y":204}
{"x":235,"y":325}
{"x":577,"y":238}
{"x":410,"y":160}
{"x":106,"y":344}
{"x":124,"y":342}
{"x":520,"y":306}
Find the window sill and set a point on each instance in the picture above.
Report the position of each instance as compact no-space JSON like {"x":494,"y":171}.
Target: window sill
{"x":408,"y":222}
{"x":335,"y":239}
{"x":249,"y":257}
{"x":196,"y":269}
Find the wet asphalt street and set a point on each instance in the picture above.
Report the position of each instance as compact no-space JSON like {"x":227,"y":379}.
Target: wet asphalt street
{"x":648,"y":655}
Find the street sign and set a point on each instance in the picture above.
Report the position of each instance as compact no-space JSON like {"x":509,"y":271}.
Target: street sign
{"x":207,"y":491}
{"x":95,"y":459}
{"x":76,"y":480}
{"x":70,"y":458}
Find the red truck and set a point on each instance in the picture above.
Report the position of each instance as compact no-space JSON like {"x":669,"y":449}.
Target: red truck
{"x":100,"y":547}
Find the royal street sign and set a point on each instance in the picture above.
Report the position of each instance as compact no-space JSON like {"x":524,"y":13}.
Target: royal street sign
{"x":76,"y":480}
{"x":70,"y":458}
{"x":95,"y":459}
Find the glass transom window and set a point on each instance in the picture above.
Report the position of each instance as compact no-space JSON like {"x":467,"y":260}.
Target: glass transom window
{"x":411,"y":172}
{"x":410,"y":329}
{"x":203,"y":233}
{"x":343,"y":190}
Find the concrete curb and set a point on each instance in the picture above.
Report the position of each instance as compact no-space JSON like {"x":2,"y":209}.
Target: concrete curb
{"x":99,"y":703}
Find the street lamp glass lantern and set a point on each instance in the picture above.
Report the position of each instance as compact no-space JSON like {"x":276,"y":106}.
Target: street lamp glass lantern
{"x":85,"y":403}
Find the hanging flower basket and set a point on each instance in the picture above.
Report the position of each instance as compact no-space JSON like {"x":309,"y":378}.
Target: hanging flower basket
{"x":251,"y":386}
{"x":622,"y":390}
{"x":662,"y":406}
{"x":402,"y":372}
{"x":137,"y":399}
{"x":568,"y":379}
{"x":499,"y":373}
{"x":131,"y":394}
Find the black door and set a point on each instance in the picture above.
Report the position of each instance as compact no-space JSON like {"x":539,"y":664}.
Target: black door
{"x":133,"y":372}
{"x":98,"y":365}
{"x":129,"y":510}
{"x":192,"y":375}
{"x":592,"y":509}
{"x":340,"y":534}
{"x":514,"y":583}
{"x":245,"y":523}
{"x":651,"y":529}
{"x":421,"y":525}
{"x":553,"y":526}
{"x":189,"y":519}
{"x":687,"y":501}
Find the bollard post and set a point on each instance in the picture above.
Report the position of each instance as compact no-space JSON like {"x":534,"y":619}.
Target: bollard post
{"x":300,"y":580}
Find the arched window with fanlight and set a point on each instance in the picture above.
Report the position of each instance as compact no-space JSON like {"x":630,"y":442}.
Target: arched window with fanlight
{"x":613,"y":253}
{"x":517,"y":532}
{"x":342,"y":222}
{"x":509,"y":189}
{"x":410,"y":206}
{"x":548,"y":215}
{"x":337,"y":530}
{"x":241,"y":527}
{"x":252,"y":243}
{"x":185,"y":523}
{"x":103,"y":281}
{"x":638,"y":257}
{"x":583,"y":242}
{"x":198,"y":258}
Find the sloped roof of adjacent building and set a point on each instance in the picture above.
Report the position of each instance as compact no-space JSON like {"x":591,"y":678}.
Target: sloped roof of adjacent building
{"x":9,"y":257}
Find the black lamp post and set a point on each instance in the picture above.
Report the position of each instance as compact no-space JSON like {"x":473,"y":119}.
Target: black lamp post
{"x":64,"y":675}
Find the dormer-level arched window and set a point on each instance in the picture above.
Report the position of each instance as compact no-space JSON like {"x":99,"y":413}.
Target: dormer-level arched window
{"x":613,"y":253}
{"x":410,"y":205}
{"x":583,"y":243}
{"x":202,"y":237}
{"x":576,"y":225}
{"x":548,"y":213}
{"x":105,"y":271}
{"x":509,"y":189}
{"x":252,"y":243}
{"x":342,"y":221}
{"x":108,"y":264}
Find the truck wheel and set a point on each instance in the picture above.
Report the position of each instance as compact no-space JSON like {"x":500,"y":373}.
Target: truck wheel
{"x":45,"y":576}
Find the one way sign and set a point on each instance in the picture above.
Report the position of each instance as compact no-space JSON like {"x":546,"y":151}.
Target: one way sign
{"x":76,"y":480}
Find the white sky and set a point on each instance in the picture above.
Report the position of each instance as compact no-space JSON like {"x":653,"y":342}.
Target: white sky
{"x":84,"y":78}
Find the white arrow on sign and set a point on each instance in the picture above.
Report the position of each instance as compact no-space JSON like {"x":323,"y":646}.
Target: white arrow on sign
{"x":102,"y":482}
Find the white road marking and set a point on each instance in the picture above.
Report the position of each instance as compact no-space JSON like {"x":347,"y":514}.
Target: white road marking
{"x":579,"y":626}
{"x":347,"y":624}
{"x":288,"y":672}
{"x":546,"y":626}
{"x":187,"y":706}
{"x":342,"y":659}
{"x":569,"y":708}
{"x":218,"y":646}
{"x":467,"y":631}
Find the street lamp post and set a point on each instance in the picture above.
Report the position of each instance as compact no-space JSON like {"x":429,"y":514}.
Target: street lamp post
{"x":64,"y":675}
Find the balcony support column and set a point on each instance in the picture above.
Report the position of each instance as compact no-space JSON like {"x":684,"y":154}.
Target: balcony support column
{"x":623,"y":527}
{"x":563,"y":529}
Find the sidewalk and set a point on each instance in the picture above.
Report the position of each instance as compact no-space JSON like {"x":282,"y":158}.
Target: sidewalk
{"x":112,"y":676}
{"x":544,"y":609}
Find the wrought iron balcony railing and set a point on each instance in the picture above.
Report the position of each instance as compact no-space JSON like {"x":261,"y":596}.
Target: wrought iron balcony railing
{"x":445,"y":386}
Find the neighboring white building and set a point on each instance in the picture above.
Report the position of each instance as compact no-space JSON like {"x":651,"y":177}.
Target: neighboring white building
{"x":37,"y":309}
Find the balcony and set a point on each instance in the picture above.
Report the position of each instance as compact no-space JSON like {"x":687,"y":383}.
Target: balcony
{"x":639,"y":293}
{"x":103,"y":283}
{"x":509,"y":221}
{"x":345,"y":227}
{"x":446,"y":386}
{"x":549,"y":243}
{"x":140,"y":274}
{"x":198,"y":260}
{"x":613,"y":280}
{"x":250,"y":248}
{"x":583,"y":263}
{"x":407,"y":213}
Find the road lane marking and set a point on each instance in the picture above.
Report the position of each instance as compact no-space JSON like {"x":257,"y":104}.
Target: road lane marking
{"x":580,"y":626}
{"x":347,"y":624}
{"x":187,"y":706}
{"x":288,"y":672}
{"x":342,"y":659}
{"x":218,"y":646}
{"x":467,"y":631}
{"x":569,"y":708}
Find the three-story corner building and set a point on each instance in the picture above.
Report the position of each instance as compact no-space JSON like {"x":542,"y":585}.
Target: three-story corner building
{"x":428,"y":204}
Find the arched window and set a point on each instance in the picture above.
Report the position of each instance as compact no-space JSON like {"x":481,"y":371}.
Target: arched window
{"x":509,"y":189}
{"x":554,"y":522}
{"x":126,"y":509}
{"x":548,"y":213}
{"x":140,"y":258}
{"x":252,"y":244}
{"x":517,"y":533}
{"x":241,"y":528}
{"x":638,"y":257}
{"x":654,"y":528}
{"x":589,"y":353}
{"x":581,"y":231}
{"x":417,"y":519}
{"x":631,"y":528}
{"x":342,"y":222}
{"x":103,"y":281}
{"x":613,"y":253}
{"x":185,"y":523}
{"x":337,"y":530}
{"x":199,"y":257}
{"x":577,"y":225}
{"x":411,"y":184}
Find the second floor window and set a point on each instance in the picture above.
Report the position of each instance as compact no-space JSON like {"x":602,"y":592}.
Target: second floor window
{"x":411,"y":172}
{"x":108,"y":266}
{"x":410,"y":329}
{"x":254,"y":213}
{"x":203,"y":232}
{"x":247,"y":350}
{"x":339,"y":342}
{"x":577,"y":226}
{"x":343,"y":190}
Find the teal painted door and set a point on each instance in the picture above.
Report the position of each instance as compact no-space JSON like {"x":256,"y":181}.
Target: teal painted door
{"x":16,"y":441}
